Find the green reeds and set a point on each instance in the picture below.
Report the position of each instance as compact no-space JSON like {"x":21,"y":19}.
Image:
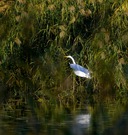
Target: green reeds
{"x":35,"y":37}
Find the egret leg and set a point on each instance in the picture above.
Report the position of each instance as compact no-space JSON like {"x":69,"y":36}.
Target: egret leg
{"x":73,"y":85}
{"x":73,"y":90}
{"x":88,"y":81}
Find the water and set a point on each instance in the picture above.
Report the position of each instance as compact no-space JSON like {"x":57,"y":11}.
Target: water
{"x":100,"y":119}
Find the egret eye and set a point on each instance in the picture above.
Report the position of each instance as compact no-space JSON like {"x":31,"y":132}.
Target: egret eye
{"x":79,"y":70}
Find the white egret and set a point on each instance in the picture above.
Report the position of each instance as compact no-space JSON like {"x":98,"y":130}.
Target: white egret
{"x":79,"y":70}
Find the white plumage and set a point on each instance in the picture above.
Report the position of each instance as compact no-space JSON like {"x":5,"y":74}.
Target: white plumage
{"x":79,"y":70}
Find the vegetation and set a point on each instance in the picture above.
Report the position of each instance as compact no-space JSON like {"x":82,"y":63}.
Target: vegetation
{"x":37,"y":34}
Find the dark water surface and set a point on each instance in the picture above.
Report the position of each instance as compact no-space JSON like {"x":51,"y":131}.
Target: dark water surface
{"x":111,"y":119}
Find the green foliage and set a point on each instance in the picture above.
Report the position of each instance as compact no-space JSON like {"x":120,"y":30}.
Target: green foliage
{"x":35,"y":36}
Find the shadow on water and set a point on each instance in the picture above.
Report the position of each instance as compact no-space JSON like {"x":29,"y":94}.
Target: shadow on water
{"x":100,"y":119}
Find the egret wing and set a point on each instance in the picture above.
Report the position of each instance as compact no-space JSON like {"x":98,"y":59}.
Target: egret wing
{"x":77,"y":67}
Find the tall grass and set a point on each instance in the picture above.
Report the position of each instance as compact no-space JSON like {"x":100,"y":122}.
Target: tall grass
{"x":35,"y":36}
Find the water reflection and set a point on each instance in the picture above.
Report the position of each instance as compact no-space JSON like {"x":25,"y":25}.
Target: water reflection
{"x":109,"y":119}
{"x":81,"y":124}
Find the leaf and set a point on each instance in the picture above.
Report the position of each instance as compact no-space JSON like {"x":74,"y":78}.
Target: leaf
{"x":62,"y":34}
{"x":72,"y":20}
{"x":11,"y":46}
{"x":17,"y":41}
